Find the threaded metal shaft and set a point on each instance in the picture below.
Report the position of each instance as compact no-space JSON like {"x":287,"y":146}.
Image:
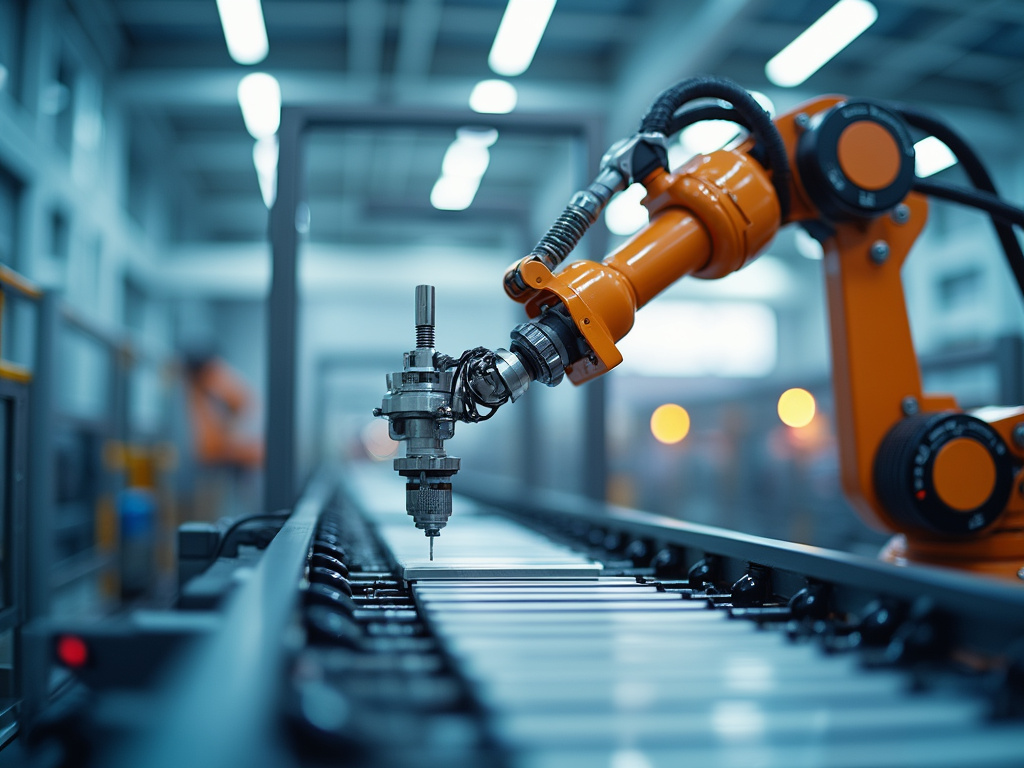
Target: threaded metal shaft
{"x":424,"y":336}
{"x":424,"y":316}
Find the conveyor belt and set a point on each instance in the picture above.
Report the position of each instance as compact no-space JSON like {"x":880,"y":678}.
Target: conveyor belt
{"x":677,"y":646}
{"x":611,"y":671}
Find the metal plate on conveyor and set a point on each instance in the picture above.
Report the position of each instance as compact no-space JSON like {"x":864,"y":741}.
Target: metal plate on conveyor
{"x":476,"y":546}
{"x":417,"y":570}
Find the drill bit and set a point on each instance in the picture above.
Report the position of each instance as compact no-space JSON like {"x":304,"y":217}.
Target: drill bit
{"x":431,"y":547}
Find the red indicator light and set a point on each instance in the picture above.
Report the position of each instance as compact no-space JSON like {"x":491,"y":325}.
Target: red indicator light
{"x":920,"y":495}
{"x":72,"y":651}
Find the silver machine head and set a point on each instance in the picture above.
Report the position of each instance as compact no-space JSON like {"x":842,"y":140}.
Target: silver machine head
{"x":417,"y":406}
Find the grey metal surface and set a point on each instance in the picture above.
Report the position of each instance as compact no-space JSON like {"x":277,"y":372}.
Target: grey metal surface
{"x":605,"y":672}
{"x":990,"y":612}
{"x":479,"y":546}
{"x":420,"y":571}
{"x":279,"y":484}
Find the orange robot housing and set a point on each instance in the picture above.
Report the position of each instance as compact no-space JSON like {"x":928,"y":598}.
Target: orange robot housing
{"x":912,"y":463}
{"x":216,"y":396}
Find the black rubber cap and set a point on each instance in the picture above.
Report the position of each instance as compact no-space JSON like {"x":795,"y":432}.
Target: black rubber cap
{"x":832,"y":191}
{"x":904,"y":467}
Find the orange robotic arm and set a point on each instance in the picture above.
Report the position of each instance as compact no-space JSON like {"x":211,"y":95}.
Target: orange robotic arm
{"x":912,"y":463}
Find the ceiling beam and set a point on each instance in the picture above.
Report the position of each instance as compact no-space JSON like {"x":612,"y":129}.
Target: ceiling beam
{"x":676,"y":42}
{"x":1007,"y":11}
{"x":417,"y":38}
{"x":243,"y":270}
{"x":182,"y":14}
{"x":183,"y":90}
{"x":901,"y":66}
{"x":366,"y":25}
{"x":296,"y":15}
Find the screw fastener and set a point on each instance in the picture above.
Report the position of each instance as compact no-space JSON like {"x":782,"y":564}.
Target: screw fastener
{"x":1018,"y":435}
{"x":909,"y":406}
{"x":879,"y":251}
{"x":901,"y":214}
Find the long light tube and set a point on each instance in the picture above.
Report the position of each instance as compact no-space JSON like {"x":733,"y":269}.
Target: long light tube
{"x":493,"y":97}
{"x":465,"y":162}
{"x":259,"y":96}
{"x":264,"y":157}
{"x":518,"y":36}
{"x":244,"y":30}
{"x":843,"y":23}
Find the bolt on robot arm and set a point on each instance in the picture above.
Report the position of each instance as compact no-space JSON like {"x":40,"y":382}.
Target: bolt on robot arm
{"x":911,"y":462}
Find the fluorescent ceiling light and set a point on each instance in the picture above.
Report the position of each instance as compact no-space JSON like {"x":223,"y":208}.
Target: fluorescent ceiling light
{"x":493,"y":97}
{"x":932,"y":156}
{"x":518,"y":35}
{"x":465,"y":162}
{"x":843,"y":23}
{"x":244,"y":30}
{"x":259,"y":96}
{"x":454,"y":193}
{"x":264,"y":157}
{"x":624,"y":214}
{"x":465,"y":159}
{"x":483,"y":136}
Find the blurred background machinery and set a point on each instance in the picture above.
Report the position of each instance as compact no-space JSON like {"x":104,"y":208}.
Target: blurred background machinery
{"x":139,"y":156}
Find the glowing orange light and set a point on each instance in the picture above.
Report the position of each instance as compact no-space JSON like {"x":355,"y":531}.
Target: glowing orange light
{"x":670,"y":423}
{"x":796,"y":407}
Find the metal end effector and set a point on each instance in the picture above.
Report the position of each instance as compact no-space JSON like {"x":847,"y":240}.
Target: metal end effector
{"x":418,"y":408}
{"x":433,"y":391}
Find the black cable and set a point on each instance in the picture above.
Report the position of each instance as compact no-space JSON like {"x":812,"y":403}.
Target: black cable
{"x":659,"y":119}
{"x":996,"y":207}
{"x":478,"y":362}
{"x":282,"y":516}
{"x":978,"y":176}
{"x":686,"y":117}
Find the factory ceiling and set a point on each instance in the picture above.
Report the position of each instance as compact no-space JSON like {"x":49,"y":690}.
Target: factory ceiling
{"x":600,"y":57}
